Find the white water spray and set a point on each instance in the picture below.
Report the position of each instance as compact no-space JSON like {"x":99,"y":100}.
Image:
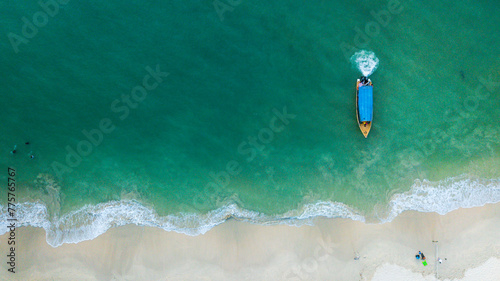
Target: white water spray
{"x":365,"y":61}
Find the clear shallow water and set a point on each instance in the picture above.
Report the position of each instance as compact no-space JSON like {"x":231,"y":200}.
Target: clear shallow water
{"x":433,"y":136}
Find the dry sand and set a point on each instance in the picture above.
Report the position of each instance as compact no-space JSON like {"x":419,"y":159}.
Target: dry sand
{"x":468,"y":239}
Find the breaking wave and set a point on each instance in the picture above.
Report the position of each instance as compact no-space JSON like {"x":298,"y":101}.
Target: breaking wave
{"x":445,"y":196}
{"x":93,"y":220}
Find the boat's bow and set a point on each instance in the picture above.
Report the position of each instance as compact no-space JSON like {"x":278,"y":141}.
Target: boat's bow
{"x":365,"y":128}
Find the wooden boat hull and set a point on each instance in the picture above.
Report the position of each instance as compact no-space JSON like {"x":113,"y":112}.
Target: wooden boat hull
{"x":365,"y":127}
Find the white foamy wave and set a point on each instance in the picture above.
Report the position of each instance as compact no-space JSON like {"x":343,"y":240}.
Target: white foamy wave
{"x":93,"y":220}
{"x":326,"y":209}
{"x":365,"y":61}
{"x":445,"y":196}
{"x":28,"y":213}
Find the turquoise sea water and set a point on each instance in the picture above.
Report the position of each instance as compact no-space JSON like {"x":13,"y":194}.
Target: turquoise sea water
{"x":256,"y":116}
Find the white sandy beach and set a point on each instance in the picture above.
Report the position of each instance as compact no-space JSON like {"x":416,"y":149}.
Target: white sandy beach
{"x":468,"y":239}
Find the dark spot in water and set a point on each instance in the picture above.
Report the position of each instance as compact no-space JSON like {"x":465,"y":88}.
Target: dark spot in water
{"x":462,"y":74}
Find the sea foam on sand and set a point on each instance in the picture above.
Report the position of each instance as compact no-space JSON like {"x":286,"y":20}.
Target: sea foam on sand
{"x":91,"y":221}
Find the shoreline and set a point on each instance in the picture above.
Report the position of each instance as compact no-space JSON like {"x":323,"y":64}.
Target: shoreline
{"x":91,"y":221}
{"x":238,"y":250}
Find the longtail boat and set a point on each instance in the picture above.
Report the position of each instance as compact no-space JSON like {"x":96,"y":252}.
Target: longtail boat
{"x":364,"y":104}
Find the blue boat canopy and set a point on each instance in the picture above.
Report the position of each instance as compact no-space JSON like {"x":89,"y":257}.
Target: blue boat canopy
{"x":365,"y":103}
